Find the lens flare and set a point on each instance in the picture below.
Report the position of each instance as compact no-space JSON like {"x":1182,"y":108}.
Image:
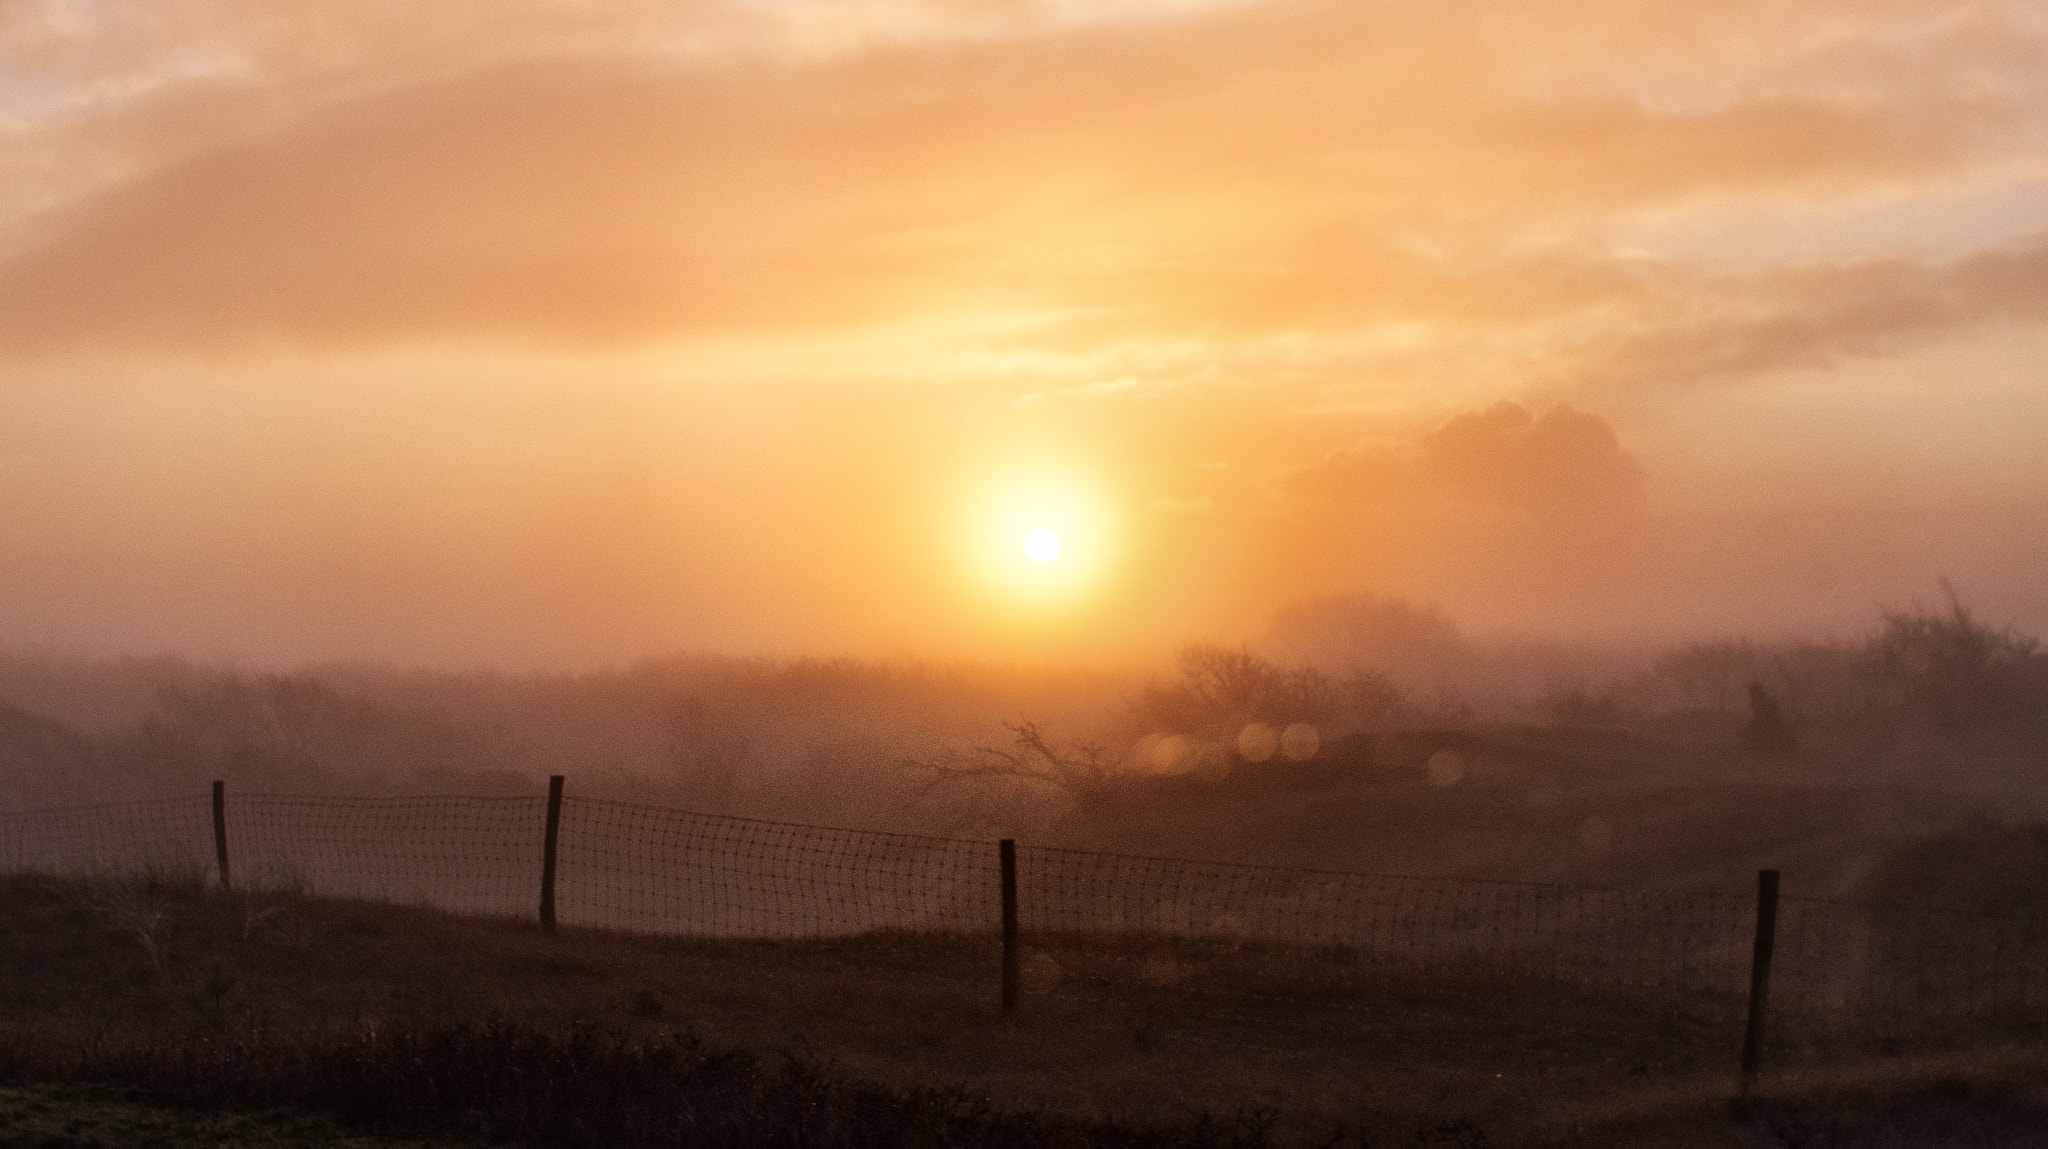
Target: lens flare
{"x":1256,"y":742}
{"x":1299,"y":742}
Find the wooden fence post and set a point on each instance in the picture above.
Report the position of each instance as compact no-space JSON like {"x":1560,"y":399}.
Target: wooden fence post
{"x":547,"y":859}
{"x":1006,"y":851}
{"x":220,"y":829}
{"x":1760,"y":976}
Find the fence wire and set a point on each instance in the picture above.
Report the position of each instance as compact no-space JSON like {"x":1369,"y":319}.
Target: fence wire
{"x":1398,"y":926}
{"x":657,"y":870}
{"x":172,"y":837}
{"x":470,"y":855}
{"x":651,"y":869}
{"x":1890,"y":963}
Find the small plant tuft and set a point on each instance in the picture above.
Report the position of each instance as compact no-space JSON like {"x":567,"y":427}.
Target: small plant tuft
{"x":137,"y":905}
{"x":212,"y":999}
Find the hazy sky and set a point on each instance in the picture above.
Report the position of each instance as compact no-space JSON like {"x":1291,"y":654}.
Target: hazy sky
{"x":555,"y":332}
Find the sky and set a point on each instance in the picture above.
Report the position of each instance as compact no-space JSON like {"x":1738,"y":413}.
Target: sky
{"x":560,"y":333}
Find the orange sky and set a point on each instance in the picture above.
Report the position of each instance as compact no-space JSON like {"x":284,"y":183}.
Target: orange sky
{"x":538,"y":334}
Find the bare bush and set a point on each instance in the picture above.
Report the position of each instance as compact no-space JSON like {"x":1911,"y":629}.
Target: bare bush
{"x":1372,"y":633}
{"x":1944,"y":666}
{"x":1221,"y":689}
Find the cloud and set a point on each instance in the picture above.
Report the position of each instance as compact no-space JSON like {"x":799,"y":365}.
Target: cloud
{"x":1562,"y":460}
{"x":1740,"y":326}
{"x":1498,"y":506}
{"x":1295,"y":166}
{"x":559,"y":204}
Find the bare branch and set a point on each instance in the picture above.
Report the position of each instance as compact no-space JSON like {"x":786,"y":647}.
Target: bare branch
{"x":1035,"y":759}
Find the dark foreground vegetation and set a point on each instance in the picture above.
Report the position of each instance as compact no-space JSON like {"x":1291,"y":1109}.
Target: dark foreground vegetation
{"x":1903,"y":766}
{"x":509,"y":1081}
{"x":140,"y":1008}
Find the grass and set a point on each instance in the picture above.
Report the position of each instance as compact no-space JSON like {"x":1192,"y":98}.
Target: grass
{"x":415,"y":1023}
{"x":48,"y":1116}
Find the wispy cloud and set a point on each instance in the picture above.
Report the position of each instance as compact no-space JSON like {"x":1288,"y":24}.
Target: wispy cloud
{"x":1311,"y":244}
{"x":1290,"y":166}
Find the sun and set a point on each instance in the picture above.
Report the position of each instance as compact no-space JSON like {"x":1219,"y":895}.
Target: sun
{"x":1040,"y":539}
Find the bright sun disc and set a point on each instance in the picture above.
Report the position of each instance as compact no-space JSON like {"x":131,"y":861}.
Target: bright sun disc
{"x":1040,"y":542}
{"x":1041,"y":545}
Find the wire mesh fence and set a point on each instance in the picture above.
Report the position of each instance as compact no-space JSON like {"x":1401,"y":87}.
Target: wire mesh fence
{"x":172,"y":836}
{"x":1385,"y":927}
{"x":1887,"y":964}
{"x":1100,"y":916}
{"x":470,"y":855}
{"x":656,"y":870}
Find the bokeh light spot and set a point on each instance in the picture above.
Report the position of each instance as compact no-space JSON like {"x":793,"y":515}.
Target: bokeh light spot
{"x":1173,"y":754}
{"x":1256,"y":742}
{"x":1300,"y":742}
{"x":1160,"y":970}
{"x":1041,"y":972}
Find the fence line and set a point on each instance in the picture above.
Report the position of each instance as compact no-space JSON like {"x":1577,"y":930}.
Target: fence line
{"x":158,"y":835}
{"x":652,"y":869}
{"x":471,"y":855}
{"x":658,"y":870}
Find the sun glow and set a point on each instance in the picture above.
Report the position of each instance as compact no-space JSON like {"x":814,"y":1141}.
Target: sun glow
{"x":1065,"y":528}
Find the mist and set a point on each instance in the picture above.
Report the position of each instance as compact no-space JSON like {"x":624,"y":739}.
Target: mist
{"x":1357,"y":733}
{"x":1177,"y":572}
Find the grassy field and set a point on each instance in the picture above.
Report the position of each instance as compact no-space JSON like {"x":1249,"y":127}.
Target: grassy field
{"x":279,"y":1013}
{"x":87,"y":1116}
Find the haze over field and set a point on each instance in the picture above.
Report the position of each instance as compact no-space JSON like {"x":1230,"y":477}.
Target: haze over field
{"x":552,"y":336}
{"x":1252,"y":572}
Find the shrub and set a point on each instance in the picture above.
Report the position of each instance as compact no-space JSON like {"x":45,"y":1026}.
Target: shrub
{"x":1222,"y":688}
{"x":1956,"y":673}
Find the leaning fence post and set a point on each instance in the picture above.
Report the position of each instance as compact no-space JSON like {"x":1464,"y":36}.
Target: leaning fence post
{"x":1760,"y":975}
{"x":547,"y":856}
{"x":220,"y":829}
{"x":1006,"y":850}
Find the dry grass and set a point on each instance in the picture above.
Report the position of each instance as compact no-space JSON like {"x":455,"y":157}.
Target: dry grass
{"x":97,"y":1117}
{"x":1145,"y":1038}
